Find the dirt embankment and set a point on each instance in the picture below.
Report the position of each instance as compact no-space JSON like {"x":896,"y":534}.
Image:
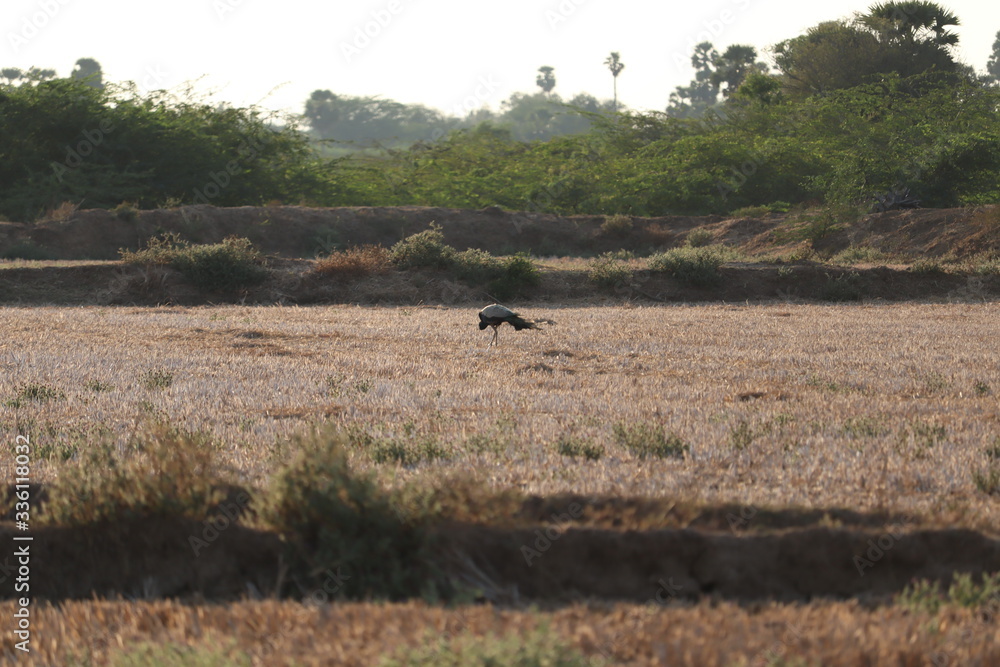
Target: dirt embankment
{"x":551,"y":550}
{"x":290,"y":235}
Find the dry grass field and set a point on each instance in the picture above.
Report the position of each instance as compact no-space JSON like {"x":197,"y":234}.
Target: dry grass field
{"x":867,"y":407}
{"x":884,"y":410}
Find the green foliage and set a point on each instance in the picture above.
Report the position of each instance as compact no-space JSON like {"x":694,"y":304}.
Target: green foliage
{"x":616,"y":225}
{"x":166,"y":472}
{"x":698,"y":267}
{"x":338,"y":520}
{"x":647,"y":439}
{"x":66,"y":140}
{"x":230,"y":265}
{"x":575,"y":447}
{"x":504,"y":278}
{"x":36,"y":393}
{"x":988,"y":481}
{"x":174,"y":655}
{"x":607,"y":270}
{"x":157,"y":378}
{"x":845,"y":287}
{"x":424,"y":249}
{"x":537,"y":649}
{"x":926,"y":596}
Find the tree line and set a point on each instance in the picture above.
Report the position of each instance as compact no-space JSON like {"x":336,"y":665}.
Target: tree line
{"x":855,"y":108}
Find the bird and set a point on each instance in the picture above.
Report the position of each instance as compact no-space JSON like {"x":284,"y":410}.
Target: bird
{"x":494,"y":315}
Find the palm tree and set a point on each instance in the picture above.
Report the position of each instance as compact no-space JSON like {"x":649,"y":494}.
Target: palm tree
{"x":913,"y":22}
{"x":546,"y":80}
{"x":616,"y":66}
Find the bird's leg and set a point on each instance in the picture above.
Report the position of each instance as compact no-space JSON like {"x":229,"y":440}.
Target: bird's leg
{"x":496,"y":331}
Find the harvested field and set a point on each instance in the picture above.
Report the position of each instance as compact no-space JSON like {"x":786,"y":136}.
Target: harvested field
{"x":747,"y":455}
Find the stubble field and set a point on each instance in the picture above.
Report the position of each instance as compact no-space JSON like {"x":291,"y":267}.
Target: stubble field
{"x":779,"y":410}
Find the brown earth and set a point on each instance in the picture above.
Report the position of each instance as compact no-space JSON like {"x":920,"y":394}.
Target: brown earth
{"x":291,"y":234}
{"x":546,"y":550}
{"x":296,"y":231}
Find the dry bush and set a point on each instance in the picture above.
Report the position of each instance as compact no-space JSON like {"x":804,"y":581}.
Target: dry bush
{"x":354,"y":262}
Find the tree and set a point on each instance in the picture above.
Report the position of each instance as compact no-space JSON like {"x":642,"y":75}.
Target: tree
{"x":911,"y":22}
{"x":993,"y":64}
{"x":88,"y":71}
{"x":616,"y":66}
{"x":712,"y":70}
{"x":895,"y":38}
{"x":733,"y":67}
{"x":546,"y":79}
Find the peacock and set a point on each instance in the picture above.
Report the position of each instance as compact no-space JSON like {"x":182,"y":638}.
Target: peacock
{"x":494,"y":315}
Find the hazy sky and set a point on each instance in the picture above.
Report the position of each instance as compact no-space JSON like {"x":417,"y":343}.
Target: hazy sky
{"x":448,"y":54}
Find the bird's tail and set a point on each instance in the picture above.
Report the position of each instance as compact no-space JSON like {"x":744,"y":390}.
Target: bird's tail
{"x":520,"y":323}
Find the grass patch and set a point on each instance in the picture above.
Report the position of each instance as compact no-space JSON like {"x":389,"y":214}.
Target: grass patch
{"x":156,"y":378}
{"x":354,"y":262}
{"x":537,"y":649}
{"x":502,"y":278}
{"x":845,"y":287}
{"x":859,"y":255}
{"x":126,"y":211}
{"x":698,"y":267}
{"x":616,"y":225}
{"x":650,"y":440}
{"x":230,"y":265}
{"x":168,"y":472}
{"x":174,"y":655}
{"x":425,"y":249}
{"x":34,"y":393}
{"x":964,"y":591}
{"x":335,"y":519}
{"x":607,"y":270}
{"x":575,"y":447}
{"x":987,"y":481}
{"x":864,"y":427}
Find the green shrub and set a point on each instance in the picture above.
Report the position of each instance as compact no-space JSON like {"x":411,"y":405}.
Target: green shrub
{"x":425,"y":249}
{"x":645,"y":440}
{"x":698,"y":238}
{"x":926,"y":596}
{"x":126,"y":211}
{"x":232,"y":264}
{"x":845,"y":287}
{"x":477,"y":266}
{"x":695,"y":266}
{"x":616,"y":225}
{"x":607,"y":270}
{"x":168,"y":472}
{"x":988,"y":481}
{"x":519,"y":275}
{"x":335,"y":519}
{"x":574,"y":447}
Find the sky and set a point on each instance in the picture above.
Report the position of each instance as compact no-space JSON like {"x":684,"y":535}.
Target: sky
{"x":452,"y":55}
